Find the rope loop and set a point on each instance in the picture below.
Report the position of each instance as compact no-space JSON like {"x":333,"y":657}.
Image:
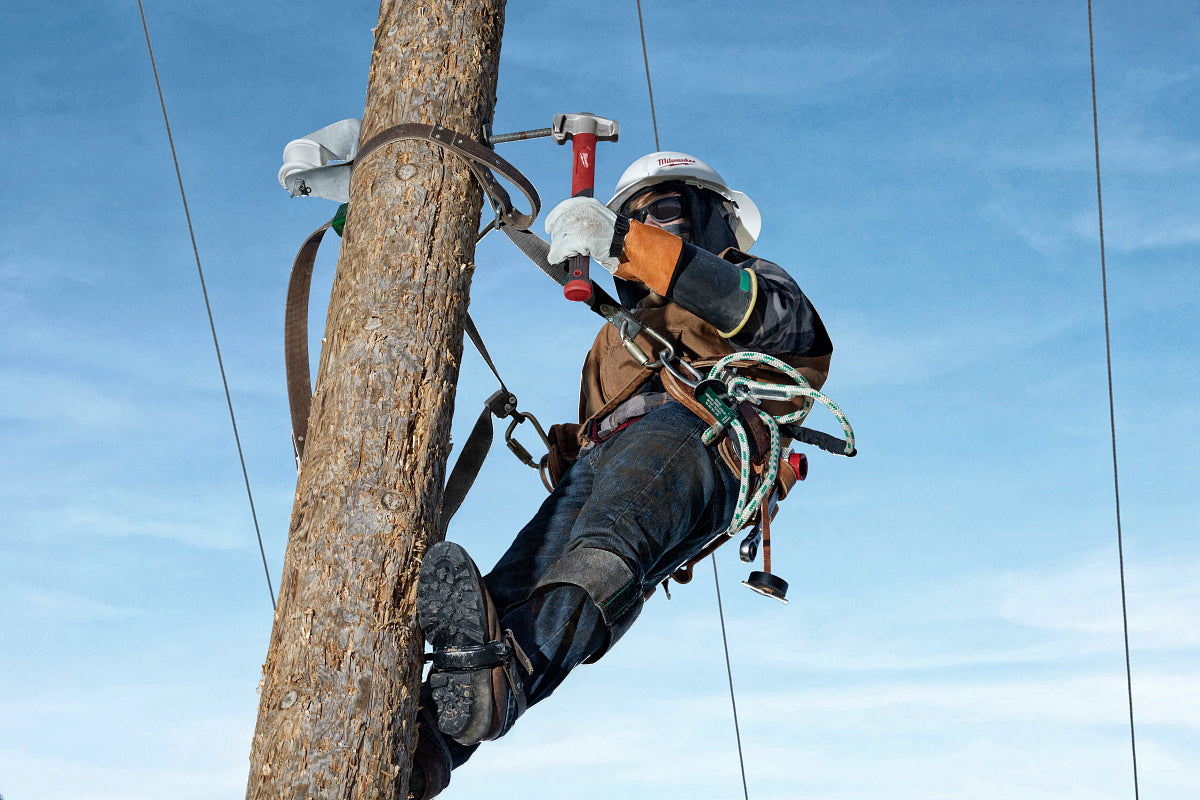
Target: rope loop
{"x":741,"y":388}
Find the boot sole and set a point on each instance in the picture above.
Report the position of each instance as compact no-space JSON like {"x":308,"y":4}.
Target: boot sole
{"x":452,"y":612}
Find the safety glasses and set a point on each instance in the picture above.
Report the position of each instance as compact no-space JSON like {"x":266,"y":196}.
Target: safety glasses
{"x":664,"y":209}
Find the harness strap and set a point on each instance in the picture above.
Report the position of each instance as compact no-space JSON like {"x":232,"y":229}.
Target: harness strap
{"x":481,"y":160}
{"x":764,"y":519}
{"x":492,"y":654}
{"x":295,"y":339}
{"x":479,"y":442}
{"x":466,"y":468}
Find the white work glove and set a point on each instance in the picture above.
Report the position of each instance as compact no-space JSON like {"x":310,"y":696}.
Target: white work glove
{"x":582,"y":226}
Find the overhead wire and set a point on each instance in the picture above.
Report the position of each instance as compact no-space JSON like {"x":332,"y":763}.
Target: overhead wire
{"x":207,"y":305}
{"x":1112,"y":417}
{"x":649,"y":88}
{"x":729,"y":669}
{"x":720,"y":609}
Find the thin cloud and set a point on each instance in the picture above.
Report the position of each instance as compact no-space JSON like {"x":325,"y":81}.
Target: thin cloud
{"x":58,"y":604}
{"x":41,"y":396}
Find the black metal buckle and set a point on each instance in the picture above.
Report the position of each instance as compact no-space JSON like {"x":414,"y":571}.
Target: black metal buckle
{"x":502,"y":403}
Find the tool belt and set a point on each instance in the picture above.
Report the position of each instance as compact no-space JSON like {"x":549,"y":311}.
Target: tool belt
{"x":564,"y":446}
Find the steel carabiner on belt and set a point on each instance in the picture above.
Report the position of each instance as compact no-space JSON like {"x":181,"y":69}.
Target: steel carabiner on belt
{"x":628,"y":341}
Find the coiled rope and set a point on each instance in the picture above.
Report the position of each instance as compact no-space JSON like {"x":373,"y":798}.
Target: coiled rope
{"x":740,"y":388}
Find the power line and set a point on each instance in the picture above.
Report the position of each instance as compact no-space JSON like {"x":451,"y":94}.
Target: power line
{"x":1112,"y":417}
{"x":729,"y":669}
{"x":649,"y":88}
{"x":720,"y":610}
{"x":208,"y":307}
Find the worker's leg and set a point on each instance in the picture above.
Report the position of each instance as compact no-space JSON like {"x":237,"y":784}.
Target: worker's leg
{"x":654,"y":496}
{"x":629,"y":511}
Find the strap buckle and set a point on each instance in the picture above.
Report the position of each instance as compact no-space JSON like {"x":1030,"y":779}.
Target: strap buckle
{"x":502,"y":403}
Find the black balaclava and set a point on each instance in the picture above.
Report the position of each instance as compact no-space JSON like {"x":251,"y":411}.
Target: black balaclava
{"x":704,"y":224}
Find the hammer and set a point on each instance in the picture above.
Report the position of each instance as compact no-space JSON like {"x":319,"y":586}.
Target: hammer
{"x":584,"y":130}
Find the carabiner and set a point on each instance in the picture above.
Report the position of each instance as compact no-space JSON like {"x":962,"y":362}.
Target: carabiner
{"x":696,"y":376}
{"x":516,"y":447}
{"x":639,"y":355}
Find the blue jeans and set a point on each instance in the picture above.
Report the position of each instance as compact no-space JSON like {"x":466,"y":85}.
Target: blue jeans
{"x":652,"y":496}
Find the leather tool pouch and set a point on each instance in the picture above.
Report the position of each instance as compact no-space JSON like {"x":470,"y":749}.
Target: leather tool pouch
{"x":564,"y":450}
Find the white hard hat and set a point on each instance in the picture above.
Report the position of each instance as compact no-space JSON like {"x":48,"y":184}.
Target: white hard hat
{"x":665,"y":166}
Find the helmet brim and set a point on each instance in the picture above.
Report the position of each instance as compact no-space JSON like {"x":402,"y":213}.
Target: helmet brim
{"x":743,"y":212}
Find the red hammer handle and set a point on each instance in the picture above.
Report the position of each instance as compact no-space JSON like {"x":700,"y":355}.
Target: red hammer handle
{"x":583,"y":182}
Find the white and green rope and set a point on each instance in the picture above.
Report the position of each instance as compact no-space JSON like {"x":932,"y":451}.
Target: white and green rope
{"x":739,"y":388}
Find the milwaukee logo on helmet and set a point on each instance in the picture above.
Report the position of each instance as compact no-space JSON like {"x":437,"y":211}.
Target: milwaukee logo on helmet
{"x":675,"y":162}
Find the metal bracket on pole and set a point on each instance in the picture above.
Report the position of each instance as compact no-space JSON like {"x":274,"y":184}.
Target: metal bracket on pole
{"x":307,"y":170}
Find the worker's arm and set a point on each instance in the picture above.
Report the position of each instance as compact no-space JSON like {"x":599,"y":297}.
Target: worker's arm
{"x":753,"y":302}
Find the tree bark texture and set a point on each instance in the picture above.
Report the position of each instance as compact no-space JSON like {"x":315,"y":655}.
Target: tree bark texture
{"x":336,"y":715}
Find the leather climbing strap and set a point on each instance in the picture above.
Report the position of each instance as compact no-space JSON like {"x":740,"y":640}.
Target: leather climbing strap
{"x":491,"y":654}
{"x":501,"y":404}
{"x":295,"y":338}
{"x":482,"y":162}
{"x":764,"y":519}
{"x":475,"y":449}
{"x":537,"y":250}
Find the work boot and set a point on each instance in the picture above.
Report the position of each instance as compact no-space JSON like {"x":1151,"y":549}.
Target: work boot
{"x":474,"y":680}
{"x":430,"y":771}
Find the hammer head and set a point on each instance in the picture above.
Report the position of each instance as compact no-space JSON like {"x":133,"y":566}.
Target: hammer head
{"x":566,"y":126}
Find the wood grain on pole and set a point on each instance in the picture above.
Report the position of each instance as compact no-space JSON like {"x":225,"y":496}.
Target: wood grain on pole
{"x":339,"y":686}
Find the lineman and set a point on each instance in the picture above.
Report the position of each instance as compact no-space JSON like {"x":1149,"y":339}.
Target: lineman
{"x":643,"y":494}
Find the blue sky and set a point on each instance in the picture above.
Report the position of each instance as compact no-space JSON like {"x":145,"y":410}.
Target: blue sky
{"x":926,"y":172}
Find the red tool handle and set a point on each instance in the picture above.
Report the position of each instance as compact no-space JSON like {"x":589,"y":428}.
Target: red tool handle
{"x":583,"y":182}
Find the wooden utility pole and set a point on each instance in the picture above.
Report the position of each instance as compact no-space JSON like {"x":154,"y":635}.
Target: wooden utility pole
{"x":340,"y":681}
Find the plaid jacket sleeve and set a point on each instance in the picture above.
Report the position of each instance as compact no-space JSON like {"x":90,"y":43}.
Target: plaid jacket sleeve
{"x":784,"y":321}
